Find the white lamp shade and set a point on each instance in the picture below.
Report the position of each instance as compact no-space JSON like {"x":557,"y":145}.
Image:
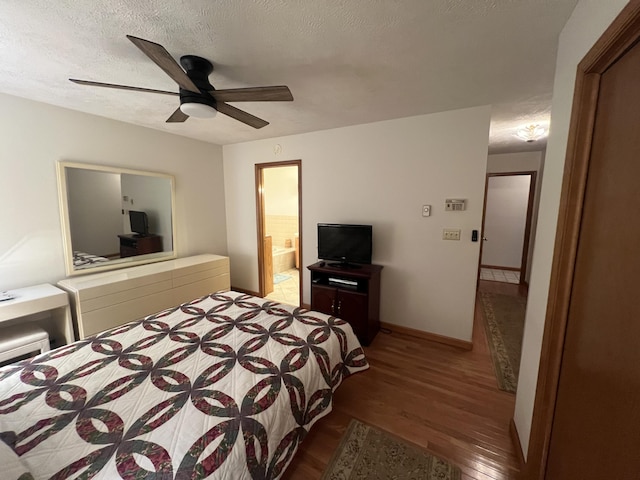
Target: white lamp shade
{"x":198,"y":110}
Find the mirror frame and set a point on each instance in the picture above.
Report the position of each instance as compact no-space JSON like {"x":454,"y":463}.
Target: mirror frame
{"x":61,"y":167}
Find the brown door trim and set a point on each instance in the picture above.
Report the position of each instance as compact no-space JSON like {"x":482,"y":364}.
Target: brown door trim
{"x":527,"y":226}
{"x":616,"y":40}
{"x":259,"y":167}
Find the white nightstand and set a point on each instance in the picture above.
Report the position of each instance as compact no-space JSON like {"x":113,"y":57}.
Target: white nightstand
{"x":40,"y":299}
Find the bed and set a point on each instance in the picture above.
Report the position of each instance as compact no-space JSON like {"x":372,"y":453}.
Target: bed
{"x":85,"y":260}
{"x":224,"y":386}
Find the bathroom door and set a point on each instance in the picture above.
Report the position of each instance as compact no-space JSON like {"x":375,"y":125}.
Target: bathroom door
{"x":267,"y":275}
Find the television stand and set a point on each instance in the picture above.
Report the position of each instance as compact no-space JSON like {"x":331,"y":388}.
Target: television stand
{"x":344,"y":265}
{"x":133,"y":244}
{"x":351,"y":293}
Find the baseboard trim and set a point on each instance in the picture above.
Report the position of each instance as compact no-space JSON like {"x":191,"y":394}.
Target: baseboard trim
{"x":497,"y":267}
{"x":242,"y":290}
{"x":515,"y":438}
{"x":432,"y":337}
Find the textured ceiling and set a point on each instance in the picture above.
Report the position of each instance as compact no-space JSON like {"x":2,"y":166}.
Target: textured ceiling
{"x":346,"y":62}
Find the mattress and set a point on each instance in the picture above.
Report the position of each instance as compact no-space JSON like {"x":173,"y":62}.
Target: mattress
{"x":224,"y":386}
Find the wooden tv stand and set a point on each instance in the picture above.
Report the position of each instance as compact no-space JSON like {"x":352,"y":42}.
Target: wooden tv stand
{"x":358,"y":302}
{"x":132,"y":244}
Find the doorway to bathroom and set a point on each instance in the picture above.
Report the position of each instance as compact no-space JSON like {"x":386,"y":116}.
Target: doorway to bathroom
{"x":279,"y":222}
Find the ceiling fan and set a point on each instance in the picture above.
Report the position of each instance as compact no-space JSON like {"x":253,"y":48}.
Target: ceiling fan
{"x":198,"y":98}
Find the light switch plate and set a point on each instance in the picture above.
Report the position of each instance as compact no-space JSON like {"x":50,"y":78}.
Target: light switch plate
{"x":426,"y":210}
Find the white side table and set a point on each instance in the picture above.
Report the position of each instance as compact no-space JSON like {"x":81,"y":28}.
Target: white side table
{"x":40,"y":299}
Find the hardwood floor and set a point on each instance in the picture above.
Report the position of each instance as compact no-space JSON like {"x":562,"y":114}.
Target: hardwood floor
{"x":438,"y":397}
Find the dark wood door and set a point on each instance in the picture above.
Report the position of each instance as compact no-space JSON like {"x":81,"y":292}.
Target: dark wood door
{"x":323,"y":299}
{"x":596,"y":427}
{"x":352,"y":307}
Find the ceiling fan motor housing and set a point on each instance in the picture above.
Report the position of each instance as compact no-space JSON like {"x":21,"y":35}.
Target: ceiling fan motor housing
{"x":198,"y":70}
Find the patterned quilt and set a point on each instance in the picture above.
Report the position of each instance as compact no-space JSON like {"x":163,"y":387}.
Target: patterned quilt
{"x":84,"y":260}
{"x":225,"y":386}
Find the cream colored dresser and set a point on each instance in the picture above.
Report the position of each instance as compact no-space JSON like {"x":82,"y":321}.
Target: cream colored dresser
{"x":106,"y":300}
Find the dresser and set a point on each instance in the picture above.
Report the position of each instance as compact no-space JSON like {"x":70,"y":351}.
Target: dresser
{"x":105,"y":300}
{"x":132,"y":244}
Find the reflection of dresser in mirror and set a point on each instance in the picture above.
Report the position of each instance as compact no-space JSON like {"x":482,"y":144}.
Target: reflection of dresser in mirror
{"x":133,"y":244}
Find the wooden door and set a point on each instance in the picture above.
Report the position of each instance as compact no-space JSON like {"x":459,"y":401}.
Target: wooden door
{"x":323,"y":299}
{"x":267,"y":263}
{"x":352,"y":307}
{"x":595,"y":433}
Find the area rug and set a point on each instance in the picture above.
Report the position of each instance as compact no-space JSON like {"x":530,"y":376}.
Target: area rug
{"x":504,"y":322}
{"x":280,"y":277}
{"x":368,"y":453}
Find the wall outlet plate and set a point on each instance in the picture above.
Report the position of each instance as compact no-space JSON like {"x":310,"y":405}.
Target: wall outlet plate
{"x":426,"y":210}
{"x":451,"y":234}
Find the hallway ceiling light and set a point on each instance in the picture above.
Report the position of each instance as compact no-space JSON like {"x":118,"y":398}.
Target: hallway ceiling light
{"x":531,"y":133}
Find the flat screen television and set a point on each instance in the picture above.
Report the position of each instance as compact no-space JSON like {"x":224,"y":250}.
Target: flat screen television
{"x":139,"y":222}
{"x":346,"y":244}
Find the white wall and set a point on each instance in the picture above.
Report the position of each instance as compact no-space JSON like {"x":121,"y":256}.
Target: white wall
{"x":35,"y":136}
{"x":94,"y":211}
{"x":514,"y":162}
{"x":505,"y":220}
{"x":280,"y":197}
{"x":281,"y":191}
{"x":381,"y":174}
{"x":587,"y":23}
{"x":151,"y":195}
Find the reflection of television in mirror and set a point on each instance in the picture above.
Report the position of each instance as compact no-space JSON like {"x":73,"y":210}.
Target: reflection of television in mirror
{"x":139,"y":222}
{"x":349,"y":244}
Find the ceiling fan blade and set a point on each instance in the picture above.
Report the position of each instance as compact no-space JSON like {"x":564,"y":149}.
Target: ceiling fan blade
{"x":159,"y":55}
{"x":241,"y":115}
{"x":121,"y":87}
{"x":280,"y":93}
{"x":177,"y":117}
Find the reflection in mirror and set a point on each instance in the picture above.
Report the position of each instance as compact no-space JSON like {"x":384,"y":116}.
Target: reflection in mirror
{"x":115,"y":218}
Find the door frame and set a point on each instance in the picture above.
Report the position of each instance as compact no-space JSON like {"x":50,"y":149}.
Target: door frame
{"x":527,"y":227}
{"x":259,"y":168}
{"x":621,"y":35}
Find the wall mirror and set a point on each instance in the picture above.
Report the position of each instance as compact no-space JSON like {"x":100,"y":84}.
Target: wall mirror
{"x":114,"y":217}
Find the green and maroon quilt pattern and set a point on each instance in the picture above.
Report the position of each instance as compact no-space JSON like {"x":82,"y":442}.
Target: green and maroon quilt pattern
{"x":225,"y":386}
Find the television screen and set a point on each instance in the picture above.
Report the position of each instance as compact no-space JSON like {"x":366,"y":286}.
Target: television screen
{"x":345,"y":243}
{"x":139,"y":222}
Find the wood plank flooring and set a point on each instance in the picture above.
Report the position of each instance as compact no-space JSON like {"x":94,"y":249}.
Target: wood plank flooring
{"x":440,"y":398}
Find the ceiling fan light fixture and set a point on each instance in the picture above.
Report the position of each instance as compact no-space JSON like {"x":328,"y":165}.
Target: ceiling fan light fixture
{"x":531,"y":133}
{"x":198,"y":110}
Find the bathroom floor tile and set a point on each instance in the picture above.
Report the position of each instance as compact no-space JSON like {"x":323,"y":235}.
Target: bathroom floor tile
{"x":497,"y":275}
{"x":287,"y":291}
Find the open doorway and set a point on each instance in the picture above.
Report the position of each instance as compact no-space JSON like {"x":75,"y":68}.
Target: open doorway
{"x":504,"y":255}
{"x":506,"y":226}
{"x":279,"y":214}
